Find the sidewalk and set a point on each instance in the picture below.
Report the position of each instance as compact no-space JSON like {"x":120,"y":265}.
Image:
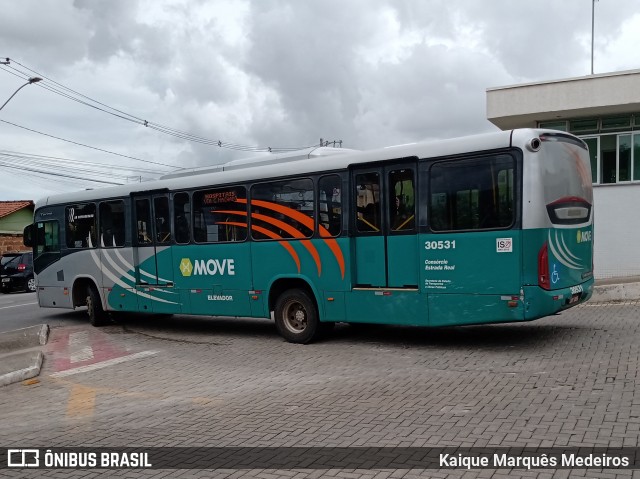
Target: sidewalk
{"x":616,"y":289}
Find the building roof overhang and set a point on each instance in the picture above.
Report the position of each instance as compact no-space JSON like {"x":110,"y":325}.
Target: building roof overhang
{"x":523,"y":105}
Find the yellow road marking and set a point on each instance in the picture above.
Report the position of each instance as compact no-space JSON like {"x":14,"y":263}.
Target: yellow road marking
{"x":82,"y":401}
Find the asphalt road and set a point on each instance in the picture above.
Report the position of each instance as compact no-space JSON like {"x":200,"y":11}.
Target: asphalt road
{"x":20,"y":310}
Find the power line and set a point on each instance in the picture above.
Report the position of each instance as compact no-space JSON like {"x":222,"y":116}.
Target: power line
{"x":60,"y":175}
{"x":45,"y":166}
{"x":58,"y":88}
{"x":86,"y":146}
{"x":55,"y":160}
{"x":60,"y":184}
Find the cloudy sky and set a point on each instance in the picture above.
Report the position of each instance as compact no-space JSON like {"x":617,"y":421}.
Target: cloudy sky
{"x":269,"y":73}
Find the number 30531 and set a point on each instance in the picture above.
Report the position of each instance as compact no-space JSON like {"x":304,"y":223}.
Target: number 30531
{"x":443,"y":244}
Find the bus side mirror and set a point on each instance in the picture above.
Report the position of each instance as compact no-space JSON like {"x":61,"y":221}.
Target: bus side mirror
{"x":27,"y":236}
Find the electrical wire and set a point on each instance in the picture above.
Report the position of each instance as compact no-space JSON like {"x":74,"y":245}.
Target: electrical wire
{"x":56,"y":161}
{"x":61,"y":184}
{"x":87,"y":146}
{"x":60,"y":175}
{"x":69,"y":167}
{"x":60,"y":169}
{"x":59,"y":89}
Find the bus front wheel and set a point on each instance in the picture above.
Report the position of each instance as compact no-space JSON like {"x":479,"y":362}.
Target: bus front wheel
{"x":97,"y":315}
{"x":296,"y":317}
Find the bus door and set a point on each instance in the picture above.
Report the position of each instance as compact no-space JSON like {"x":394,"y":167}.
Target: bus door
{"x":152,"y":252}
{"x":384,"y":211}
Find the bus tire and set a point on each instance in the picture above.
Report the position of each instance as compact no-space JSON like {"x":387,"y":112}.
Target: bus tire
{"x":97,"y":315}
{"x":296,"y":317}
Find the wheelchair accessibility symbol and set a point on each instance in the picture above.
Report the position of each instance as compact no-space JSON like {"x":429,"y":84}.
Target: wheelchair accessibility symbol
{"x":555,"y":276}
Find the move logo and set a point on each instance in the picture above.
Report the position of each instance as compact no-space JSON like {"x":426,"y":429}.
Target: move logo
{"x":583,"y":236}
{"x":209,"y":267}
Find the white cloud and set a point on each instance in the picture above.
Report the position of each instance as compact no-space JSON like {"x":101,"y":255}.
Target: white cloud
{"x":282,"y":72}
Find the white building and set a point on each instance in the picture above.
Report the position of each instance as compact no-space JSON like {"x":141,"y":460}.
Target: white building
{"x":603,"y":110}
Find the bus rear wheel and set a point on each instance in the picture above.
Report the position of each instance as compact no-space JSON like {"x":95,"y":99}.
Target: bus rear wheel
{"x":97,"y":315}
{"x":296,"y":317}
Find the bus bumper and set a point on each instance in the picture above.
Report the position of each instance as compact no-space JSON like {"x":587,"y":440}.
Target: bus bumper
{"x":539,"y":302}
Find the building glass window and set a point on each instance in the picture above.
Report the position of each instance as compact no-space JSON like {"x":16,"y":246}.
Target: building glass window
{"x":615,"y":157}
{"x":583,"y":126}
{"x":616,"y":123}
{"x":624,"y":157}
{"x":636,"y":157}
{"x":608,"y":145}
{"x":592,"y":143}
{"x":553,"y":125}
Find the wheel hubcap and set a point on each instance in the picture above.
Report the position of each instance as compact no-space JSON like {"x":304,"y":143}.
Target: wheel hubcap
{"x":295,"y":317}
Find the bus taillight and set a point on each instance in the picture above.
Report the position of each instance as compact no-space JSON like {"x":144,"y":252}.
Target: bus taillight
{"x":543,"y":268}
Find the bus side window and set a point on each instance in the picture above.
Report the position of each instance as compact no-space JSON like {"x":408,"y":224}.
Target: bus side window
{"x":368,"y":202}
{"x":283,"y":209}
{"x":401,"y":200}
{"x":161,"y":210}
{"x":143,"y":221}
{"x":112,"y":223}
{"x":181,"y":217}
{"x":220,"y":215}
{"x":472,"y":194}
{"x":330,"y":208}
{"x":81,"y":226}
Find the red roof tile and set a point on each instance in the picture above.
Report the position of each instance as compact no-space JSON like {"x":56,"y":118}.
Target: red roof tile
{"x":8,"y":207}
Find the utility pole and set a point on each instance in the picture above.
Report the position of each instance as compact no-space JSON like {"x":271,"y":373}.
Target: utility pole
{"x":593,"y":24}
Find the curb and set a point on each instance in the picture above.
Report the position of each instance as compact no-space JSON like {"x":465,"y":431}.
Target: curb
{"x":20,"y":355}
{"x":604,"y":293}
{"x":21,"y":366}
{"x":24,"y":338}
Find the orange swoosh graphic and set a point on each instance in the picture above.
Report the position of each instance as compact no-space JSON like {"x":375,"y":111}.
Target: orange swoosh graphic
{"x":308,"y":222}
{"x":289,"y":229}
{"x":334,"y":247}
{"x":271,"y":235}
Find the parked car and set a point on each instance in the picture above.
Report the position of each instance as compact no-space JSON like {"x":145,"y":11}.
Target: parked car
{"x":16,"y":272}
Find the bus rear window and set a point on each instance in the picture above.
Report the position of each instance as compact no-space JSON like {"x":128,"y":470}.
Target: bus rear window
{"x":566,"y":179}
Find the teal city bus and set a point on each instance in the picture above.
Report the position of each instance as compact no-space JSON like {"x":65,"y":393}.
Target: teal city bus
{"x":489,"y":228}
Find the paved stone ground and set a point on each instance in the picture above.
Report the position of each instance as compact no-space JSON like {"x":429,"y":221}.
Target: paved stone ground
{"x":567,"y":380}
